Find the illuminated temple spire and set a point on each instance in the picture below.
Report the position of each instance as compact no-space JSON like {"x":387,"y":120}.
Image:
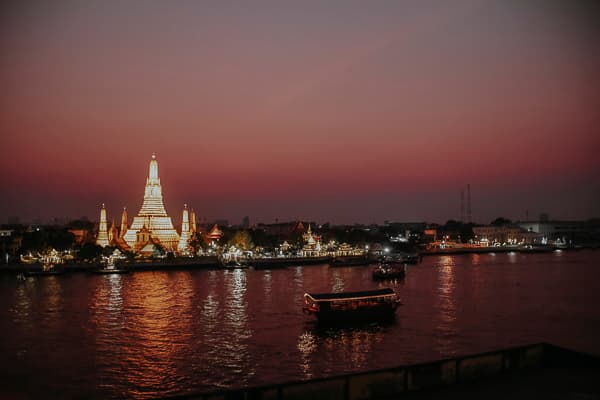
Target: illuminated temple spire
{"x":153,"y":215}
{"x":192,"y":222}
{"x":102,"y":239}
{"x":123,"y":223}
{"x":185,"y":231}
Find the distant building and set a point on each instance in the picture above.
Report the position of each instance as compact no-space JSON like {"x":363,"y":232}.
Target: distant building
{"x":246,"y":222}
{"x":558,"y":229}
{"x":214,"y":233}
{"x":491,"y":234}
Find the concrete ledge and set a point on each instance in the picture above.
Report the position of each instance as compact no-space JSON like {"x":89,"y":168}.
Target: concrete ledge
{"x":392,"y":382}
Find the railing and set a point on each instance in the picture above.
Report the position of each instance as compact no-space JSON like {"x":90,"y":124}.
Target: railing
{"x":391,"y":382}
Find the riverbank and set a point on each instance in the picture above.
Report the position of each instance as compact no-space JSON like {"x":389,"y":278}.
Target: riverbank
{"x":502,"y":249}
{"x":176,"y":264}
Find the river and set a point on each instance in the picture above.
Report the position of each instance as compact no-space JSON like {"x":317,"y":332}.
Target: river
{"x":150,"y":334}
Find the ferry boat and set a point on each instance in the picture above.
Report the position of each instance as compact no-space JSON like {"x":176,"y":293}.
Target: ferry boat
{"x":389,"y":272}
{"x":351,"y":307}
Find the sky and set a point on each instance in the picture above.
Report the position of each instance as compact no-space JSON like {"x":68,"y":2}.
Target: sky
{"x":331,"y":111}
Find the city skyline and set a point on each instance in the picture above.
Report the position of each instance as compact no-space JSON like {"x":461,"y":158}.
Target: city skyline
{"x":337,"y":112}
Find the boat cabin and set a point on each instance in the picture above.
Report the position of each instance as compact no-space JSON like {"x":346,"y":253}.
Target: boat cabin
{"x":350,"y":306}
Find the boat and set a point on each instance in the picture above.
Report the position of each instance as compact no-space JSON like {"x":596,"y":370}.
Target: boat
{"x":45,"y":273}
{"x":47,"y":270}
{"x":389,"y":272}
{"x":111,"y":271}
{"x":349,"y":307}
{"x":349,"y":261}
{"x":235,"y":264}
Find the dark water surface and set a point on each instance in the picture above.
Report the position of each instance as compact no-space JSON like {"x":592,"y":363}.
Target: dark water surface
{"x":152,"y":334}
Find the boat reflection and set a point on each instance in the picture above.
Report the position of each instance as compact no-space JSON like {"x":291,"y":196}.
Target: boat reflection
{"x":339,"y":345}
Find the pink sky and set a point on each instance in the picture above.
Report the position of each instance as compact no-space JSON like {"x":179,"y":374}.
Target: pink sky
{"x":330,"y":111}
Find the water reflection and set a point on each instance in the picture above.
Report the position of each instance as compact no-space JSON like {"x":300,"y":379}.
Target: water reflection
{"x":307,"y":344}
{"x":446,"y":305}
{"x":148,"y":324}
{"x":349,"y":347}
{"x":234,"y":354}
{"x":21,"y":312}
{"x":298,"y":278}
{"x":337,"y":281}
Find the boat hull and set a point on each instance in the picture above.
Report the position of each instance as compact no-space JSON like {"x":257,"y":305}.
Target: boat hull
{"x":385,"y":312}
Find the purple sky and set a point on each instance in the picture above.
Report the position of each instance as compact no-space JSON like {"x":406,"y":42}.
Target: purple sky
{"x":340,"y":111}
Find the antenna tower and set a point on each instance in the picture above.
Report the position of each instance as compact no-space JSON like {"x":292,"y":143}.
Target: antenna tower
{"x":469,"y":203}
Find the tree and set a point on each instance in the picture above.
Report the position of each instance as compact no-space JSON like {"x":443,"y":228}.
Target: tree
{"x":241,"y":240}
{"x":89,"y":251}
{"x":197,"y":242}
{"x":501,"y":221}
{"x":159,"y":250}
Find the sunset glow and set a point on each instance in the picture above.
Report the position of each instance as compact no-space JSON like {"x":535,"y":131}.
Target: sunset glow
{"x":332,"y":111}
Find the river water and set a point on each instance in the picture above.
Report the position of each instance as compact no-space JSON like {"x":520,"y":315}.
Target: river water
{"x":150,"y":334}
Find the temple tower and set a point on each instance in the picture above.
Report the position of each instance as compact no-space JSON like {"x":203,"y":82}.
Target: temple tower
{"x":123,"y":223}
{"x":113,"y":233}
{"x":102,"y":239}
{"x":153,"y":214}
{"x":192,"y":222}
{"x":185,"y":231}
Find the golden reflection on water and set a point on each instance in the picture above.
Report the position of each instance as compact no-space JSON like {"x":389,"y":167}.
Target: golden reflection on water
{"x":337,"y":281}
{"x":307,"y":344}
{"x":155,"y":334}
{"x":446,"y":305}
{"x":22,"y":309}
{"x":298,"y":278}
{"x":236,"y":325}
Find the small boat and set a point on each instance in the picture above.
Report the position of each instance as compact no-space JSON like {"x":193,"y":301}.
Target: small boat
{"x":349,"y":307}
{"x":389,"y":272}
{"x":111,"y":271}
{"x":46,"y":270}
{"x":235,"y":264}
{"x":349,"y":261}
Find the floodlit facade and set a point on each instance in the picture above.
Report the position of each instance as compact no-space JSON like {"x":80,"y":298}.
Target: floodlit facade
{"x":185,"y":232}
{"x":102,"y":239}
{"x":153,"y":216}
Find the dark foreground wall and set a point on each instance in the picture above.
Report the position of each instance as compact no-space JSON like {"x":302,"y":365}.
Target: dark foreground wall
{"x":392,"y":382}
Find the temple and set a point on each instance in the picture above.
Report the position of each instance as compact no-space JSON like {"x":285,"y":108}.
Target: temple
{"x":102,"y":239}
{"x":184,"y":240}
{"x":152,"y":217}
